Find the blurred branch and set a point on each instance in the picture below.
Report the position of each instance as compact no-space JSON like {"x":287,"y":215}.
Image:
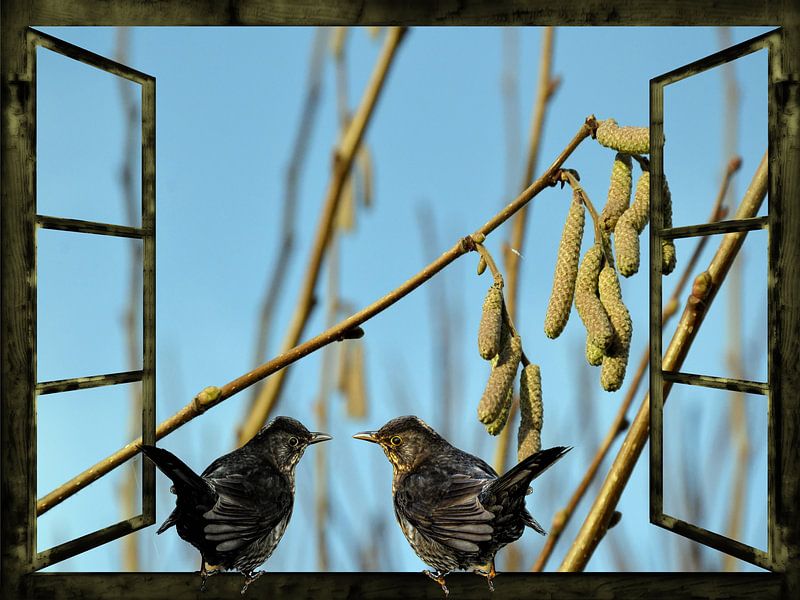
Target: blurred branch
{"x":343,"y":161}
{"x":128,"y":486}
{"x":280,"y":263}
{"x":441,"y":319}
{"x":213,"y":395}
{"x":605,"y":503}
{"x":737,"y":419}
{"x":326,"y":387}
{"x":545,"y":88}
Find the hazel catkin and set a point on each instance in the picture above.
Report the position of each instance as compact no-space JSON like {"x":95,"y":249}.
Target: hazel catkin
{"x":668,"y":257}
{"x":619,"y":192}
{"x":491,"y":325}
{"x":594,"y":355}
{"x":496,"y":426}
{"x":501,"y":379}
{"x":630,"y":225}
{"x":531,"y":409}
{"x":589,"y":307}
{"x":628,"y":140}
{"x":615,"y":361}
{"x":569,"y":251}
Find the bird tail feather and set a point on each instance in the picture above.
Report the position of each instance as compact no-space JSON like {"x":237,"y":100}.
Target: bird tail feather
{"x":518,"y":478}
{"x":178,"y":471}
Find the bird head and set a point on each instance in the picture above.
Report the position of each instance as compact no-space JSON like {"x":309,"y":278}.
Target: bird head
{"x":285,"y":439}
{"x":406,"y":441}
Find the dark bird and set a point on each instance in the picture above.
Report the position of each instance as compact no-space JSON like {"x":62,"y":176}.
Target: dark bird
{"x":235,"y":512}
{"x":453,"y":508}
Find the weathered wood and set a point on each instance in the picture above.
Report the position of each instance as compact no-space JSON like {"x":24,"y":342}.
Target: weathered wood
{"x":83,"y":383}
{"x":719,"y":227}
{"x":94,"y":227}
{"x":18,"y":308}
{"x":783,"y":301}
{"x":90,"y":540}
{"x":323,"y":586}
{"x":719,"y":383}
{"x":410,"y":12}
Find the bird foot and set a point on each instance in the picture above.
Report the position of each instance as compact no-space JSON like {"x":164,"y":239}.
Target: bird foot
{"x":490,"y":575}
{"x":205,"y":574}
{"x":438,"y":577}
{"x":250,"y":578}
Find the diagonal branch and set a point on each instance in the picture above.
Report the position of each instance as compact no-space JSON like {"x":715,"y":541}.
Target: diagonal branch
{"x":212,"y":396}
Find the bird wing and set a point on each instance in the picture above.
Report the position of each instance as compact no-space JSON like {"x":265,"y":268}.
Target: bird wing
{"x":453,"y":517}
{"x":250,"y":503}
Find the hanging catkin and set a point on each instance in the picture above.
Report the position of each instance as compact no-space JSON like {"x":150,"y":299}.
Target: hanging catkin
{"x":615,"y":362}
{"x":496,"y":426}
{"x":569,"y":251}
{"x":619,"y":192}
{"x":589,"y":307}
{"x":531,"y":410}
{"x":668,"y":257}
{"x":630,"y":225}
{"x":628,"y":140}
{"x":594,"y":355}
{"x":491,"y":326}
{"x":501,"y":379}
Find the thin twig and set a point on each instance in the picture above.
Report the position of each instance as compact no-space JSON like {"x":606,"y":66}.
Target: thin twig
{"x":210,"y":397}
{"x":282,"y":257}
{"x":343,"y":161}
{"x":545,"y":89}
{"x":605,"y":503}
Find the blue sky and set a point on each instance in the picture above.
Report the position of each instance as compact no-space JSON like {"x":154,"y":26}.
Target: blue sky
{"x":228,"y":104}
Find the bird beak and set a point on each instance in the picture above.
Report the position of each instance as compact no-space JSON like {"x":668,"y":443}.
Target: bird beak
{"x":367,"y":436}
{"x":317,"y":437}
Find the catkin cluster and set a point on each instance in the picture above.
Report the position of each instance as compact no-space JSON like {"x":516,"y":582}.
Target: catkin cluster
{"x":630,"y":226}
{"x":587,"y":302}
{"x":619,"y":192}
{"x":498,"y":393}
{"x":531,"y":409}
{"x":569,"y":251}
{"x":628,"y":140}
{"x":615,"y":360}
{"x":491,"y":327}
{"x":668,"y":257}
{"x":497,"y":343}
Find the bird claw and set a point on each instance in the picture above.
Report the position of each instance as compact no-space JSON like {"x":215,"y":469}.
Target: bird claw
{"x":205,"y":574}
{"x":438,"y":577}
{"x":250,"y":578}
{"x":490,"y":575}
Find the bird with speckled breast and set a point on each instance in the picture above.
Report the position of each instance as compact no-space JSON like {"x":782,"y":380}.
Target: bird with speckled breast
{"x":236,"y":511}
{"x":453,"y":508}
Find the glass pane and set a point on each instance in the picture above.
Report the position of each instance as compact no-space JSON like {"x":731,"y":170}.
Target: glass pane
{"x":715,"y":463}
{"x":87,"y":285}
{"x":88,"y":135}
{"x":75,"y":430}
{"x":732,"y":341}
{"x":702,"y":137}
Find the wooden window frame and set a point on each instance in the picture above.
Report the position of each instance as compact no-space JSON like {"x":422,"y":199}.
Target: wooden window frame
{"x":17,"y":312}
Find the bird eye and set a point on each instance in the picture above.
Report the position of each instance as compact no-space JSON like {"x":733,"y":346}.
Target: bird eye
{"x":396,"y":440}
{"x":293,"y":441}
